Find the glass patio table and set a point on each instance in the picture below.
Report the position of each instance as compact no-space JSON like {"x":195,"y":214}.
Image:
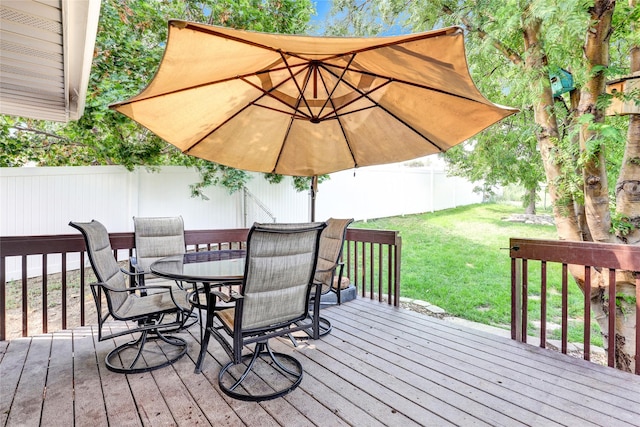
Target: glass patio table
{"x":203,"y":267}
{"x":209,"y":268}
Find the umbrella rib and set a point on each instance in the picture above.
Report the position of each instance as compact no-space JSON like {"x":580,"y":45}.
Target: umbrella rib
{"x":241,"y":40}
{"x":449,"y":31}
{"x":264,"y":92}
{"x":216,"y":128}
{"x":344,"y":133}
{"x":286,"y":134}
{"x":329,"y":98}
{"x":284,"y":140}
{"x":395,"y":80}
{"x":300,"y":90}
{"x":362,"y":95}
{"x":366,"y":95}
{"x":228,"y":79}
{"x":271,"y":95}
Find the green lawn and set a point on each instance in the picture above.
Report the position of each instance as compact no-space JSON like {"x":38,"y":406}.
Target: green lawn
{"x":457,"y":259}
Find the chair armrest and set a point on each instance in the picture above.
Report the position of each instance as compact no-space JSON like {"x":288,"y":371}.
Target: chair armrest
{"x":132,"y":288}
{"x":213,"y":299}
{"x":133,"y":261}
{"x":232,"y":296}
{"x":136,"y":273}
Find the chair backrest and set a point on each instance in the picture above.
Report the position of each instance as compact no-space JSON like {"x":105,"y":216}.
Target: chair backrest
{"x":157,"y":237}
{"x":281,"y":260}
{"x":330,"y":251}
{"x":101,"y":257}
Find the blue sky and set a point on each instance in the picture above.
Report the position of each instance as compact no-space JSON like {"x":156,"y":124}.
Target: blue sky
{"x":322,"y":8}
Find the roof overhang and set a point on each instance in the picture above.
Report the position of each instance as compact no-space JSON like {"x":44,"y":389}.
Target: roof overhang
{"x":45,"y":57}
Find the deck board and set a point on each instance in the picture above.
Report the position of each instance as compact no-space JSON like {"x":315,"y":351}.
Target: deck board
{"x":439,"y":386}
{"x":58,"y":402}
{"x":11,"y":367}
{"x":27,"y":407}
{"x":569,"y":390}
{"x":449,"y":356}
{"x":380,"y":366}
{"x":89,"y":405}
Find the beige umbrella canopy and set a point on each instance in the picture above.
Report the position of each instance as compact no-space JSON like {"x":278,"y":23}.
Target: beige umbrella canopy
{"x":306,"y":106}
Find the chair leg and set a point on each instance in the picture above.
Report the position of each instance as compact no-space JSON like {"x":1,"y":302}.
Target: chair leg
{"x":243,"y":386}
{"x":324,"y":327}
{"x":117,"y":360}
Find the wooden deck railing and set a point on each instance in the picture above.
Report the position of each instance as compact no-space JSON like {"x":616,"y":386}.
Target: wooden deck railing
{"x":372,"y":262}
{"x":606,"y":258}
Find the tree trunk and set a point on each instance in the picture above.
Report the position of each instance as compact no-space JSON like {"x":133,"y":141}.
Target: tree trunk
{"x":548,"y":135}
{"x":531,"y":202}
{"x":628,"y":205}
{"x":597,"y":213}
{"x":628,"y":185}
{"x":596,"y":188}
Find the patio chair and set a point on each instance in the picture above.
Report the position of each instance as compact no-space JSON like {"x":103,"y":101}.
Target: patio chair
{"x":273,"y":302}
{"x":155,"y":238}
{"x":329,"y":273}
{"x":329,"y":257}
{"x":151,"y":315}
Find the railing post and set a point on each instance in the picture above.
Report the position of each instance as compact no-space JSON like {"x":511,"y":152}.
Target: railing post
{"x":3,"y":301}
{"x":637,"y":323}
{"x":397,"y":265}
{"x":516,"y":299}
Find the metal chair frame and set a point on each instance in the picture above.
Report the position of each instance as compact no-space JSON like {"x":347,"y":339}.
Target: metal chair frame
{"x":132,"y":304}
{"x":230,"y":322}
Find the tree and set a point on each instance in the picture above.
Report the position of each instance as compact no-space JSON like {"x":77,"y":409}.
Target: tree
{"x":515,"y":43}
{"x":507,"y":158}
{"x":129,"y":46}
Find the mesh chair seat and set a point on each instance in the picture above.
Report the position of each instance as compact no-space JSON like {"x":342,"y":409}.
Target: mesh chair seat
{"x":163,"y":302}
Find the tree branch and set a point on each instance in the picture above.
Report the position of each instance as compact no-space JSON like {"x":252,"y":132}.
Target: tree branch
{"x":41,"y":132}
{"x":511,"y":54}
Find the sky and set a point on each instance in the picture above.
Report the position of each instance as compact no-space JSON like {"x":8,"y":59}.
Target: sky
{"x":322,"y":8}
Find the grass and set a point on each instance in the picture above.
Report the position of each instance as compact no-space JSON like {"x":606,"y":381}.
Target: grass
{"x":458,"y":260}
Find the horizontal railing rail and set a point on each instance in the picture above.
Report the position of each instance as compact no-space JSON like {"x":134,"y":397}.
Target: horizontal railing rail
{"x":372,"y":259}
{"x":603,"y":257}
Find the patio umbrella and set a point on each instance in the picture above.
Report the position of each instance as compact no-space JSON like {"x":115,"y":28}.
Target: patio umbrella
{"x":307,"y":106}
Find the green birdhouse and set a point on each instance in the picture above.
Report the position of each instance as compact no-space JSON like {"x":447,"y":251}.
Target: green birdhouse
{"x":561,"y":81}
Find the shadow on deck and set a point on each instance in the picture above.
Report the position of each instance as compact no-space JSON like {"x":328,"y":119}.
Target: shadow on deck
{"x":381,"y":365}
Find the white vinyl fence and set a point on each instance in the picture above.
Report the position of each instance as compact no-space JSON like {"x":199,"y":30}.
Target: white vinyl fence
{"x":42,"y":201}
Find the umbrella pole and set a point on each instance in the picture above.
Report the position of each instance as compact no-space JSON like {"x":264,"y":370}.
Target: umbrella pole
{"x":314,"y":189}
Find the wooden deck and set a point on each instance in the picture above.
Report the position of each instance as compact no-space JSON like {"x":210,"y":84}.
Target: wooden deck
{"x":380,"y":366}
